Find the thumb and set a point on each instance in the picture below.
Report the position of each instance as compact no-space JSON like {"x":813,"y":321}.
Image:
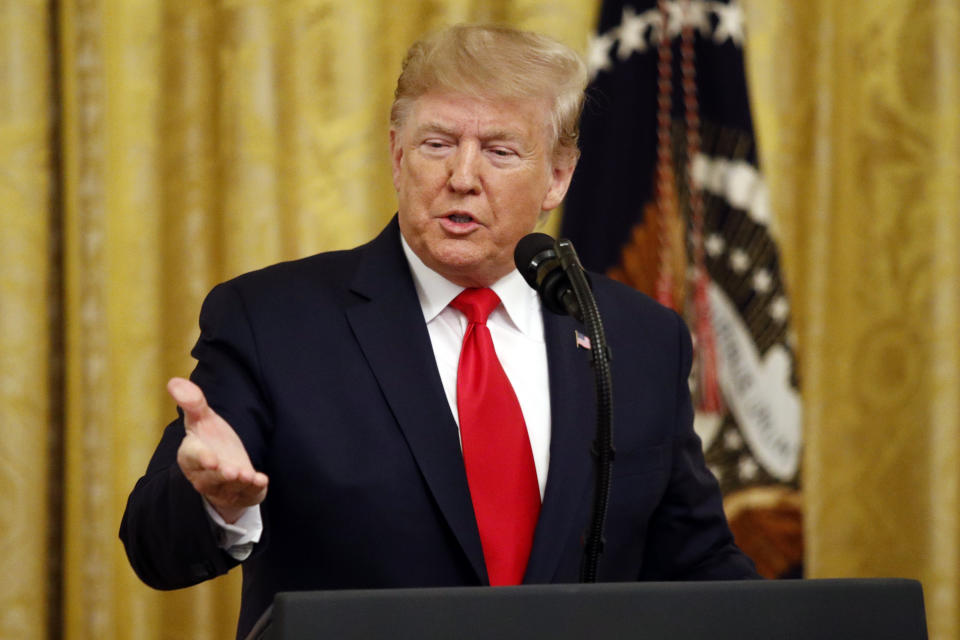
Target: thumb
{"x":190,"y":398}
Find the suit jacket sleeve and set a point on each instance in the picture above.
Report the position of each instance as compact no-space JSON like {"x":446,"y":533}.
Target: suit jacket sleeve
{"x":169,"y":539}
{"x":688,"y":535}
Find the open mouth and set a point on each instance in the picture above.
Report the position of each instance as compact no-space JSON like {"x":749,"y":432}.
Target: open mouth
{"x":460,"y":218}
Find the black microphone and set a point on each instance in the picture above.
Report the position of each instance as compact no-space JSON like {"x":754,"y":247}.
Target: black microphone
{"x":544,"y":269}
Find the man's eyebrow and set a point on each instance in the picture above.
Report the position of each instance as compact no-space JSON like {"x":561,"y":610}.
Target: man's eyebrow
{"x":436,"y":127}
{"x":508,"y":135}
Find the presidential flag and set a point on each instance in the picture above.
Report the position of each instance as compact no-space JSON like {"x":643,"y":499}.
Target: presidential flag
{"x":669,"y":198}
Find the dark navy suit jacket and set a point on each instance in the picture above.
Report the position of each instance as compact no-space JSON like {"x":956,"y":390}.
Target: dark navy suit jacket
{"x":325,"y":369}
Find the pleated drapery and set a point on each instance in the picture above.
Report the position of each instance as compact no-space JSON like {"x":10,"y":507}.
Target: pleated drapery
{"x":857,"y":109}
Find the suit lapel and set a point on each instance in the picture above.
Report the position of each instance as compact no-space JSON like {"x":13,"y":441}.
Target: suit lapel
{"x":573,"y":420}
{"x":401,"y":356}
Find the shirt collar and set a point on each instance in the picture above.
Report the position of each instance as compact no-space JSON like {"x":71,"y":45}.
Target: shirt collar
{"x":436,"y":292}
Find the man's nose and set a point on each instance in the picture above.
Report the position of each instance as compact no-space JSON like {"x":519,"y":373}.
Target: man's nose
{"x":465,"y":169}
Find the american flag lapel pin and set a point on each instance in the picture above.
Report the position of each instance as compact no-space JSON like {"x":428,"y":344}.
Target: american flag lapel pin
{"x":583,"y":342}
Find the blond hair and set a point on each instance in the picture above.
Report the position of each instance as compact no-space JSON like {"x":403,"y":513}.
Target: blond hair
{"x":491,"y":62}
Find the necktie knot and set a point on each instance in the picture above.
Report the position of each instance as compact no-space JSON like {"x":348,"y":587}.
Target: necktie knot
{"x":476,"y":304}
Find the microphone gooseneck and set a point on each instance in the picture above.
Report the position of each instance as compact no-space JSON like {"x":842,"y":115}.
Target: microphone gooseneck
{"x":554,"y":270}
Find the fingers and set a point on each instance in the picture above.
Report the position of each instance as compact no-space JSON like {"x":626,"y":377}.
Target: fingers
{"x":227,"y":487}
{"x":194,"y":456}
{"x":190,"y":398}
{"x":223,"y":483}
{"x":225,"y":493}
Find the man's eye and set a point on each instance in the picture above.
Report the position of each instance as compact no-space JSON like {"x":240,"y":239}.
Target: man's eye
{"x":500,"y":152}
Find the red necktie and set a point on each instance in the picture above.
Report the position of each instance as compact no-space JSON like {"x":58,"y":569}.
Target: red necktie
{"x":496,"y":448}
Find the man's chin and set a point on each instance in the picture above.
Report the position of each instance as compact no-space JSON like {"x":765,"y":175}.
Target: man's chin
{"x":468,"y":270}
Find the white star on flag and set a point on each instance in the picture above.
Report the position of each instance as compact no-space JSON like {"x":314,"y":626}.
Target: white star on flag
{"x":762,"y":281}
{"x":697,"y":18}
{"x":633,"y":32}
{"x":598,"y":53}
{"x":674,"y":19}
{"x":715,"y":245}
{"x":747,"y":468}
{"x":779,"y":309}
{"x":739,"y":260}
{"x":730,"y":25}
{"x":732,"y":440}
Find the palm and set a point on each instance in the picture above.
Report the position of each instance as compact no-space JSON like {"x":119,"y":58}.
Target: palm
{"x":212,"y":457}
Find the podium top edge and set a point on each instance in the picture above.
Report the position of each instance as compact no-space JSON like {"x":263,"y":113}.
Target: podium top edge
{"x":812,"y":584}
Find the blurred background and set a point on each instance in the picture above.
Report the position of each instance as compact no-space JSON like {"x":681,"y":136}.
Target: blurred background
{"x":152,"y":148}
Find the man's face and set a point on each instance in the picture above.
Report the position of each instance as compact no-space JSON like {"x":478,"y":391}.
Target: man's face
{"x":472,"y":177}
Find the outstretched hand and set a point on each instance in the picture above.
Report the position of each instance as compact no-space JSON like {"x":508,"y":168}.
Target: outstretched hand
{"x":213,"y":458}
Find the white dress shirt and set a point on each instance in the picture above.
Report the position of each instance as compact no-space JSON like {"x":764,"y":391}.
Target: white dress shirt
{"x":516,"y":327}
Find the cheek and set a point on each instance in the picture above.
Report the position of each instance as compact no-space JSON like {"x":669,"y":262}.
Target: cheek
{"x":523,"y":196}
{"x":422,"y":182}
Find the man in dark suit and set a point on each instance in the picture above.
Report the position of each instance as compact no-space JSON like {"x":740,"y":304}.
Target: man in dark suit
{"x":339,"y":381}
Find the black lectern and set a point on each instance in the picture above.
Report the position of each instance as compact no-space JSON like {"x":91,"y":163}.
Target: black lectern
{"x":879,"y":609}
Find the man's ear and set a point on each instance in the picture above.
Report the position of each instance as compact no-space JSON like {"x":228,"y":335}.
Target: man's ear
{"x":560,"y":176}
{"x":396,"y":156}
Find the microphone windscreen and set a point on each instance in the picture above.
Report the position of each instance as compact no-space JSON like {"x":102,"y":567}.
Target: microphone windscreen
{"x":527,"y":256}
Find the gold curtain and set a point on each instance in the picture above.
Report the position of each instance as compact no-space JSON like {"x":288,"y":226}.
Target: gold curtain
{"x":25,"y":333}
{"x":858,"y":112}
{"x":149,"y":149}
